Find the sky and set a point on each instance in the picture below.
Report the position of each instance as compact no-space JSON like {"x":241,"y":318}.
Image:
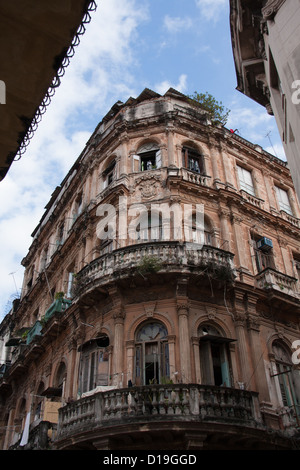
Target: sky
{"x":128,"y":46}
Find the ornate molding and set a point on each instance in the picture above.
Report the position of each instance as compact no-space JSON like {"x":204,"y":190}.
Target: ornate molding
{"x":271,"y":8}
{"x":183,"y":309}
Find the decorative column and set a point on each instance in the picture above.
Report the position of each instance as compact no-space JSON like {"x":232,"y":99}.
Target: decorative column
{"x":118,"y":355}
{"x":170,"y":135}
{"x":227,"y":170}
{"x":196,"y":350}
{"x":214,"y":161}
{"x":256,"y":349}
{"x":224,"y":215}
{"x":178,"y":159}
{"x":73,"y":364}
{"x":241,"y":245}
{"x":130,"y":361}
{"x":88,"y":249}
{"x":184,"y":342}
{"x":242,"y":346}
{"x":172,"y":362}
{"x":10,"y":429}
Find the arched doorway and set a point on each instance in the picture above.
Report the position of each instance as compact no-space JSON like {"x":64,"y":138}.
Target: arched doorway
{"x":288,"y":378}
{"x":214,"y":356}
{"x":94,"y":364}
{"x":151,"y":354}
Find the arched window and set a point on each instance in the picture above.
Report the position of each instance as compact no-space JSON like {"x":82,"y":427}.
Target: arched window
{"x":214,"y":357}
{"x":193,"y":160}
{"x":288,"y":379}
{"x":38,"y":403}
{"x":60,"y":378}
{"x":78,"y":206}
{"x":94,"y":364}
{"x":148,"y":157}
{"x":20,"y":418}
{"x":151,"y":354}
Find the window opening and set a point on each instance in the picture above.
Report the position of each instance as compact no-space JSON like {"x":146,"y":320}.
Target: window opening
{"x":214,"y":357}
{"x":149,"y":157}
{"x":151,"y":354}
{"x":108,"y":174}
{"x":286,"y":378}
{"x":192,"y":160}
{"x":94,"y":364}
{"x":283,"y":200}
{"x":264,"y":257}
{"x":245,"y":180}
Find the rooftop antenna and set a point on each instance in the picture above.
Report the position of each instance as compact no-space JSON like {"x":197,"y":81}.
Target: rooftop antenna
{"x":268,"y":135}
{"x":12,"y":274}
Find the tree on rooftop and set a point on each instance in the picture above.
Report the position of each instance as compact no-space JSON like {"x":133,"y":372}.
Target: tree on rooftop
{"x":215,"y":108}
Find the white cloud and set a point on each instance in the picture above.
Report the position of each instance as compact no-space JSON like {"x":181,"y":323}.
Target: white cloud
{"x":211,"y":9}
{"x":163,"y":86}
{"x":177,"y":24}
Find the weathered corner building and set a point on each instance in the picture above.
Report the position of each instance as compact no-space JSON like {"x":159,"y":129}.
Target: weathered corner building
{"x":159,"y":336}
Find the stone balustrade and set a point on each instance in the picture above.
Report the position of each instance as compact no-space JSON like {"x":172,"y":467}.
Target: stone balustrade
{"x":171,"y":255}
{"x":252,"y":199}
{"x":194,"y":177}
{"x":183,"y":402}
{"x":271,"y":279}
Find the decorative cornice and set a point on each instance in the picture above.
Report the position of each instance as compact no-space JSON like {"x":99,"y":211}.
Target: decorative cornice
{"x":271,"y":8}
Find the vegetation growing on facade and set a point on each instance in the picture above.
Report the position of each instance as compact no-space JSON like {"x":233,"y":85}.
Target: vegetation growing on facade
{"x":149,"y":265}
{"x":214,"y":107}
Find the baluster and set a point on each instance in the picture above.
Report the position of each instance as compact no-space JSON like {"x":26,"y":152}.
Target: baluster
{"x":124,"y":404}
{"x":170,"y":408}
{"x":118,"y":405}
{"x":138,"y":403}
{"x":154,"y":403}
{"x":106,"y":407}
{"x":178,"y":410}
{"x":161,"y":403}
{"x":202,"y":402}
{"x":185,"y":401}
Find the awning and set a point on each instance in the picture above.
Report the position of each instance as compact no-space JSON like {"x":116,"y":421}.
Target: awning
{"x":52,"y":392}
{"x":216,"y":339}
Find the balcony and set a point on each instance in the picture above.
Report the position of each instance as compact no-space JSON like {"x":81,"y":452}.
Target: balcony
{"x":273,"y":280}
{"x":254,"y":200}
{"x":58,"y":306}
{"x":171,"y":256}
{"x":187,"y":405}
{"x":34,"y":331}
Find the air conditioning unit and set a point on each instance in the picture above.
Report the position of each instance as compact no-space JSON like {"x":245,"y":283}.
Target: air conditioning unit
{"x":264,"y":244}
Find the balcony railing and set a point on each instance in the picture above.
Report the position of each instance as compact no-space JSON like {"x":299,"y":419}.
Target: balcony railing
{"x":171,"y":255}
{"x":58,"y":306}
{"x":271,"y":279}
{"x":34,"y":331}
{"x":175,"y":402}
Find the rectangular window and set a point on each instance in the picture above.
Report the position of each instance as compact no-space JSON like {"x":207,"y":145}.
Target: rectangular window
{"x":70,"y":285}
{"x":245,"y":179}
{"x":263,"y":255}
{"x":283,"y":200}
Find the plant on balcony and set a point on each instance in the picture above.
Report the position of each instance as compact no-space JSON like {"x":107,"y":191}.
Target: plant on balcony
{"x":25,"y":334}
{"x":222,"y":272}
{"x":59,"y":295}
{"x":149,"y":265}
